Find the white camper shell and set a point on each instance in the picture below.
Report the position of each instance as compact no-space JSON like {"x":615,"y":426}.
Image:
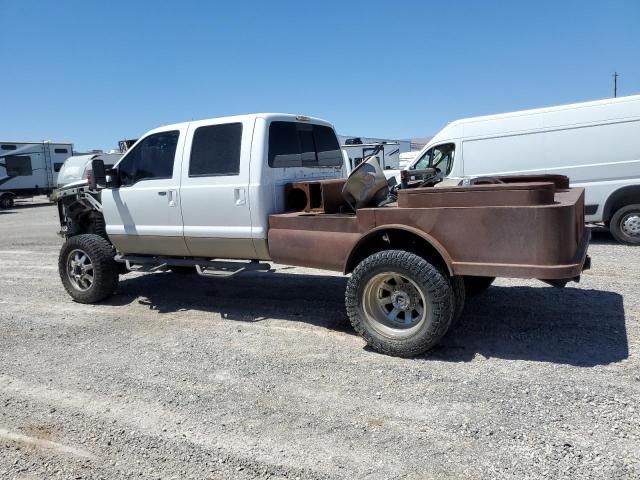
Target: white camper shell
{"x":30,"y":168}
{"x":596,"y":144}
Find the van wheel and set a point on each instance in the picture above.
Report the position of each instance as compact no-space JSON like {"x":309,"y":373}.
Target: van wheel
{"x":477,"y":285}
{"x":6,"y":201}
{"x":625,"y":225}
{"x":87,"y":268}
{"x":399,"y":303}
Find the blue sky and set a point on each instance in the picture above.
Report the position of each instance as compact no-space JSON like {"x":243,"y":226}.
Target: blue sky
{"x":93,"y":72}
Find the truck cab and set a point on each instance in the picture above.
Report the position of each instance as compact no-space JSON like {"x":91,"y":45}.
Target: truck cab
{"x":206,"y":188}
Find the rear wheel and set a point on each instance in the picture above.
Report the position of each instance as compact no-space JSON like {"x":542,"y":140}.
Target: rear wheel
{"x":87,"y":268}
{"x":477,"y":285}
{"x":625,"y":225}
{"x":399,"y":303}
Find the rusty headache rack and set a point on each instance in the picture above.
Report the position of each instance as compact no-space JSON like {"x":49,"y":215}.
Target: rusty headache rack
{"x":520,"y":226}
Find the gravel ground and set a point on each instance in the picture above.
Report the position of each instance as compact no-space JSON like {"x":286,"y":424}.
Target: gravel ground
{"x":260,"y":376}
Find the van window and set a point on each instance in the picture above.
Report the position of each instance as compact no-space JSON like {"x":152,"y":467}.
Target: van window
{"x":294,"y":144}
{"x":439,"y":157}
{"x":216,"y":150}
{"x":18,"y":165}
{"x":8,"y":147}
{"x":151,"y":159}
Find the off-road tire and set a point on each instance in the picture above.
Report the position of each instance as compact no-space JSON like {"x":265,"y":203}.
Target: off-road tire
{"x":617,"y":228}
{"x":476,"y":285}
{"x":105,"y":269}
{"x":460,"y":294}
{"x":432,"y":283}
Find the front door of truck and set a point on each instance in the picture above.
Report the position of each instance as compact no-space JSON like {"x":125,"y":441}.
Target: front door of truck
{"x":215,"y":189}
{"x":143,"y":214}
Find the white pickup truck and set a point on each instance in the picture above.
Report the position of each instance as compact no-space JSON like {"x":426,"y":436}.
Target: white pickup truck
{"x":222,"y":196}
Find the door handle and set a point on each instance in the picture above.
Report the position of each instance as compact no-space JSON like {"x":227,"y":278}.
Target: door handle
{"x":239,"y":196}
{"x":170,"y":194}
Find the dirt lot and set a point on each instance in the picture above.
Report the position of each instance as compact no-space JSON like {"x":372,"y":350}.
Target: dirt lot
{"x":260,"y":376}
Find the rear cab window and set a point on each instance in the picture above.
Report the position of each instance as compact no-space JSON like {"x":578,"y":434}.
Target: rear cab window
{"x":298,"y":144}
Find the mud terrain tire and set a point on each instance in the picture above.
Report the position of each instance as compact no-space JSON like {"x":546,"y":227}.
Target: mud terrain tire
{"x":87,"y":268}
{"x":399,"y":302}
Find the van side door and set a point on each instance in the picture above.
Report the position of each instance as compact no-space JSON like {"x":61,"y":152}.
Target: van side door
{"x":143,"y":214}
{"x":215,"y":189}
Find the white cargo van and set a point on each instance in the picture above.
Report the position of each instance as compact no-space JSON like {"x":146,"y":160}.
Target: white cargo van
{"x":596,"y":144}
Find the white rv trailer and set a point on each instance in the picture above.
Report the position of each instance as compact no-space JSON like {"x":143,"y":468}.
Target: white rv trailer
{"x":30,"y":168}
{"x":596,"y":144}
{"x":359,"y":148}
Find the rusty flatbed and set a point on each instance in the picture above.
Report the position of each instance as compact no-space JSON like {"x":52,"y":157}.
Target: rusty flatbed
{"x":523,"y":229}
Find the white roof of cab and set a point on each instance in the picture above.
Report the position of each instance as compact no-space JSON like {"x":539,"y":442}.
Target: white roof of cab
{"x":291,"y":117}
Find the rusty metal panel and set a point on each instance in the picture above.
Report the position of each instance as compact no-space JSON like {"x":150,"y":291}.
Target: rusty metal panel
{"x":315,"y":196}
{"x":514,"y":194}
{"x":537,"y":239}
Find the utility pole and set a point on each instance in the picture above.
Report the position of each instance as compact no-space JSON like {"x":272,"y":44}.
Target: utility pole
{"x":615,"y":84}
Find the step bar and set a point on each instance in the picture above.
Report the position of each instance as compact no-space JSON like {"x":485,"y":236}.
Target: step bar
{"x":204,"y":267}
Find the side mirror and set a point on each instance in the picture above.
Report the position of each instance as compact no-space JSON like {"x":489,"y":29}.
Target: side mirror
{"x":98,"y":177}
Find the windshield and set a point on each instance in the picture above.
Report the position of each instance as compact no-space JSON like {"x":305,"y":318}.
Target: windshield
{"x":440,"y":158}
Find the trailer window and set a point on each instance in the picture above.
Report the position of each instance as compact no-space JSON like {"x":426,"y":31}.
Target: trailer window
{"x":61,"y":150}
{"x":151,"y":159}
{"x":8,"y":147}
{"x":216,"y":150}
{"x":18,"y":165}
{"x":439,"y":157}
{"x":293,"y":144}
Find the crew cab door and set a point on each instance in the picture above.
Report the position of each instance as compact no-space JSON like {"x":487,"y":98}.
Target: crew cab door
{"x":215,"y":189}
{"x":143,"y":215}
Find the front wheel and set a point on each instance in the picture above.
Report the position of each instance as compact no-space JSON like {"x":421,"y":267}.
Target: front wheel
{"x":625,"y":225}
{"x":399,"y":303}
{"x":87,"y":268}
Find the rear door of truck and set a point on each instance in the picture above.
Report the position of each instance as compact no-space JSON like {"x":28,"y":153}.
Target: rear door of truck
{"x":215,"y":188}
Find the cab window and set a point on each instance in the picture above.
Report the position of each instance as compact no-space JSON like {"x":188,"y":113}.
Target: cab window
{"x":439,"y":157}
{"x":294,"y":144}
{"x":151,"y":159}
{"x":216,"y":150}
